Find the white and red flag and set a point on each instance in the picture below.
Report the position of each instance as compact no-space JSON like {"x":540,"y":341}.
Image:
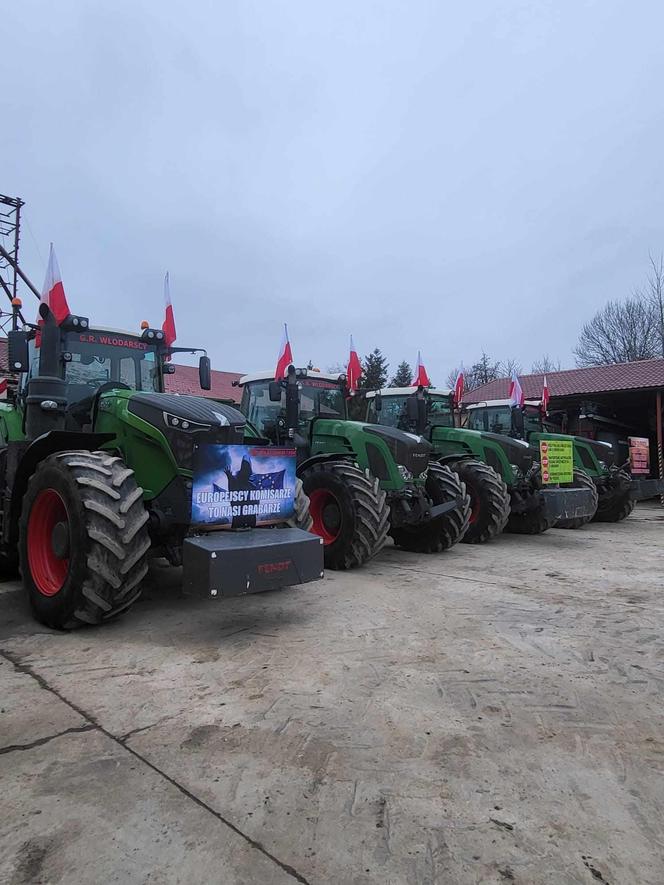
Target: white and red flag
{"x":421,"y":377}
{"x":285,"y":357}
{"x":168,"y":327}
{"x":354,"y":369}
{"x":53,"y":293}
{"x":516,"y":392}
{"x":545,"y":397}
{"x":458,"y":386}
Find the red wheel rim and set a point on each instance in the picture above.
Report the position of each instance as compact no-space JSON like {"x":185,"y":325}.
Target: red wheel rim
{"x":475,"y":506}
{"x":326,"y":514}
{"x":48,"y":570}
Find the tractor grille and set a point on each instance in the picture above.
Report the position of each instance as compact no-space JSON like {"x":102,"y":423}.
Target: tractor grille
{"x":412,"y":451}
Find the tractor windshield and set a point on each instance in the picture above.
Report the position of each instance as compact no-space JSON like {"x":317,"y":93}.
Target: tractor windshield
{"x":439,"y":410}
{"x":319,"y":398}
{"x":392,"y":412}
{"x":95,"y":358}
{"x":493,"y":419}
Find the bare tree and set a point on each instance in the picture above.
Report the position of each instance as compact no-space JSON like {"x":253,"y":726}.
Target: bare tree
{"x":620,"y":332}
{"x":545,"y":364}
{"x":509,"y":366}
{"x":655,"y":296}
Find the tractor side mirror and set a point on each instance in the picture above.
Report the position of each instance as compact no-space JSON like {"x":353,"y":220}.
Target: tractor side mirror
{"x":274,"y":391}
{"x":205,"y":373}
{"x":17,"y":351}
{"x":412,"y":408}
{"x":378,"y":401}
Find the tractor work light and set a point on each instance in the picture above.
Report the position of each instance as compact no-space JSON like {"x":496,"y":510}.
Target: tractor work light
{"x":75,"y":323}
{"x":151,"y":334}
{"x":301,"y":373}
{"x":405,"y":473}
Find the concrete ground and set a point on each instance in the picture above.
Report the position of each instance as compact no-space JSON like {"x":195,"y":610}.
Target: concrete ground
{"x":490,"y":715}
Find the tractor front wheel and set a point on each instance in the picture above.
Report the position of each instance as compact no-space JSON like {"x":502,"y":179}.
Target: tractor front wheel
{"x":83,"y":539}
{"x":489,"y":500}
{"x":583,"y":481}
{"x":439,"y":534}
{"x":616,"y":503}
{"x":349,"y":512}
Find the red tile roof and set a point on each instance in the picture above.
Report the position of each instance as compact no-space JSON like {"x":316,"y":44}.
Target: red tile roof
{"x":645,"y":374}
{"x":185,"y":380}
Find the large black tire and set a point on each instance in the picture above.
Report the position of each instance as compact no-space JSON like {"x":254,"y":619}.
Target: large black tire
{"x":535,"y":520}
{"x":440,"y":534}
{"x":349,"y":511}
{"x":581,"y":479}
{"x":616,"y":503}
{"x":83,"y":539}
{"x":489,"y":500}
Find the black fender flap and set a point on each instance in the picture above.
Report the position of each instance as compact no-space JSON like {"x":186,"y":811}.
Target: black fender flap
{"x":232,"y":563}
{"x":568,"y":503}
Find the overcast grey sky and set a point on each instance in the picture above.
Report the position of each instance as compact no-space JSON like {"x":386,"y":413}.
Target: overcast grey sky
{"x":434,"y":175}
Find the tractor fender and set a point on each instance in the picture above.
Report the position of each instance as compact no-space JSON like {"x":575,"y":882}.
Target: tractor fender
{"x":457,"y":456}
{"x":318,"y":459}
{"x":24,"y":463}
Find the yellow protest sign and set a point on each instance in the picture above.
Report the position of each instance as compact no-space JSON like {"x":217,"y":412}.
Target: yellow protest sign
{"x":557,"y":460}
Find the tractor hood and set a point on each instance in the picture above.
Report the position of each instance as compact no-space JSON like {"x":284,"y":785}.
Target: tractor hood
{"x":517,"y":452}
{"x":408,"y":449}
{"x":187,"y":421}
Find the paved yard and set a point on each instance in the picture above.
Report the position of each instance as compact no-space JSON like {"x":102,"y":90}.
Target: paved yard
{"x":489,"y":715}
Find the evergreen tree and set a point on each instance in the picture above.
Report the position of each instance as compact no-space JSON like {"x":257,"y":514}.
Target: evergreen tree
{"x":403,"y":376}
{"x":374,"y":371}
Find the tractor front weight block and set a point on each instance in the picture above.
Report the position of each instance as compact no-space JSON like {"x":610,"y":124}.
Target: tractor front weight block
{"x":568,"y":503}
{"x":232,"y":563}
{"x":642,"y":489}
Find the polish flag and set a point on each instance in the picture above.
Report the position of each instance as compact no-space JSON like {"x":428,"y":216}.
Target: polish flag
{"x":545,"y":397}
{"x":458,"y":386}
{"x":3,"y":388}
{"x":354,"y":369}
{"x":285,"y":357}
{"x":168,"y":327}
{"x":421,"y":377}
{"x":516,"y":393}
{"x":53,"y":293}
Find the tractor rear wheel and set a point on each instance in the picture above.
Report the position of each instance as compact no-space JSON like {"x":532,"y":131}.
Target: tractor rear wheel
{"x":489,"y":500}
{"x":83,"y":539}
{"x":616,"y":503}
{"x":349,"y":511}
{"x":581,"y":480}
{"x":439,"y":534}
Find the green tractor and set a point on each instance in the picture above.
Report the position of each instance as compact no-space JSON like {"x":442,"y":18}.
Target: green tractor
{"x":593,"y":460}
{"x":501,"y":475}
{"x":364,"y":482}
{"x":96,"y":467}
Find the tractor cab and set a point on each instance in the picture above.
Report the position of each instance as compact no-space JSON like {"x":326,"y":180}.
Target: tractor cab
{"x":414,"y":410}
{"x":285,"y":411}
{"x":498,"y":416}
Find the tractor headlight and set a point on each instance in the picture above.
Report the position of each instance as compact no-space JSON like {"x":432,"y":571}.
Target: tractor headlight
{"x":604,"y":466}
{"x":404,"y":473}
{"x":177,"y":423}
{"x":517,"y":472}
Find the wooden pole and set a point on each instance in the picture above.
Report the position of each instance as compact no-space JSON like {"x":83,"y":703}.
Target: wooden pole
{"x":660,"y":458}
